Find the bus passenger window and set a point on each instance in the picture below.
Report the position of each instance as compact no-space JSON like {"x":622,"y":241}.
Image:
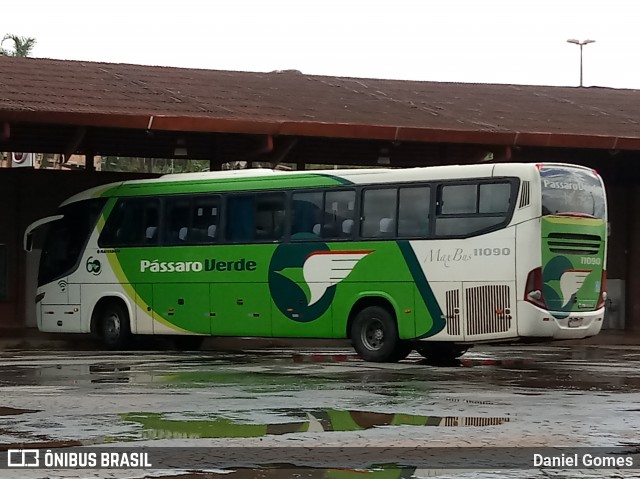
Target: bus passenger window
{"x":240,"y":218}
{"x":131,"y":223}
{"x":413,"y":212}
{"x":151,"y":220}
{"x":270,"y":217}
{"x":258,"y":217}
{"x":494,"y":197}
{"x":204,"y":220}
{"x":339,"y":214}
{"x":306,"y":218}
{"x":471,"y":208}
{"x":379,"y":212}
{"x":458,"y":199}
{"x":176,"y":220}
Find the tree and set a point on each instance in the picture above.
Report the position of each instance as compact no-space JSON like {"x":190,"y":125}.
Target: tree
{"x":22,"y":46}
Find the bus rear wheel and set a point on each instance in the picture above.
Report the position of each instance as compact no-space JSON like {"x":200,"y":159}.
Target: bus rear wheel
{"x":374,"y":334}
{"x":114,"y":326}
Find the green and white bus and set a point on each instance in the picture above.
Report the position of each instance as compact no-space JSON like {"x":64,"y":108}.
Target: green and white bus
{"x":432,"y":259}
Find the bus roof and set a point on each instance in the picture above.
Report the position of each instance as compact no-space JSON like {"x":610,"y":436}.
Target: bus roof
{"x":265,"y":179}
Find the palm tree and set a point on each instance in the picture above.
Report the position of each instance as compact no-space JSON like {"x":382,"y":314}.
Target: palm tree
{"x":22,"y":46}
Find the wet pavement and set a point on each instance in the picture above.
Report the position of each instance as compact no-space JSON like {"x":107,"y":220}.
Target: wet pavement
{"x":526,"y":396}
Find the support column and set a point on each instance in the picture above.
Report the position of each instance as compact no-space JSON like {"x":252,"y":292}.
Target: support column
{"x":89,"y":162}
{"x":633,"y":280}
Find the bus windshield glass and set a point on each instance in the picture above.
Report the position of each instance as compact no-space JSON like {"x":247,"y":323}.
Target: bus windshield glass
{"x":573,"y":192}
{"x":66,"y":238}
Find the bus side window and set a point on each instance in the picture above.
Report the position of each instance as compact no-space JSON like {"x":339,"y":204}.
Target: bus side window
{"x":458,"y":199}
{"x":339,"y":214}
{"x":151,"y":220}
{"x":470,"y":208}
{"x":240,"y":215}
{"x":306,"y":210}
{"x":379,"y":212}
{"x":413,"y":211}
{"x":131,"y":223}
{"x":270,"y":216}
{"x":205,"y":219}
{"x":176,"y":224}
{"x":494,"y":198}
{"x":259,"y":217}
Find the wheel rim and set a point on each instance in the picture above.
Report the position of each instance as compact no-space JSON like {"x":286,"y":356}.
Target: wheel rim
{"x":112,"y":326}
{"x":372,"y":335}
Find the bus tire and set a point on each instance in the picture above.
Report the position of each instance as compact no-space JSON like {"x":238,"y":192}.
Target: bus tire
{"x":374,"y":334}
{"x":441,"y":352}
{"x":115,"y":330}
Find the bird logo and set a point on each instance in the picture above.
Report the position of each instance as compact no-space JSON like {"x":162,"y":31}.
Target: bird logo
{"x":323,"y":269}
{"x":303,"y":277}
{"x":570,"y":283}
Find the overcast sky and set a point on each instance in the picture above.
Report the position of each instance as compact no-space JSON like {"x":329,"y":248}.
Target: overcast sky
{"x":476,"y":41}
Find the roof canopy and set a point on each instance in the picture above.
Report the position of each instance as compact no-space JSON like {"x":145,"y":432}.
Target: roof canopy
{"x":71,"y":97}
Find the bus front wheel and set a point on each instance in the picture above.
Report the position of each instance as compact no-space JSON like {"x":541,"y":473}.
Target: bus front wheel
{"x":114,"y":326}
{"x":374,"y":334}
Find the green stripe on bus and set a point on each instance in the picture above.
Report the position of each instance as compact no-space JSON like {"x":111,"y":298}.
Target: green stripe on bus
{"x":423,"y":287}
{"x":242,"y":184}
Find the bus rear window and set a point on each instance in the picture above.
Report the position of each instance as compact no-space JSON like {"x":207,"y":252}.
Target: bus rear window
{"x":568,"y":191}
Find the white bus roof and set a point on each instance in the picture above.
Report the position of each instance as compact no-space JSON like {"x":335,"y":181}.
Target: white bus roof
{"x":355,"y":176}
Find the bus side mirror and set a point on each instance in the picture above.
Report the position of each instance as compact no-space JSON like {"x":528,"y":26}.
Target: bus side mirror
{"x":28,"y":242}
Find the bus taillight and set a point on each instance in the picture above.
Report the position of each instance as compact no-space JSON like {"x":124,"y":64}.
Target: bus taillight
{"x":533,"y":290}
{"x":603,"y":291}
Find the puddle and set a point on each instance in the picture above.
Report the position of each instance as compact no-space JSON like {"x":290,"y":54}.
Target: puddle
{"x":162,"y":426}
{"x":307,"y":473}
{"x":42,"y":444}
{"x":10,"y":411}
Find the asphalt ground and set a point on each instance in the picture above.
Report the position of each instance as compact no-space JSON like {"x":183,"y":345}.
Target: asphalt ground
{"x":32,"y":339}
{"x":259,"y":400}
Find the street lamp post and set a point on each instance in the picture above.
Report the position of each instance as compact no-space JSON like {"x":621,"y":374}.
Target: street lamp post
{"x":582,"y":43}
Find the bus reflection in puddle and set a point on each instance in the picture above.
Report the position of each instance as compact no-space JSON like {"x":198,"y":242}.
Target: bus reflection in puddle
{"x":162,"y":426}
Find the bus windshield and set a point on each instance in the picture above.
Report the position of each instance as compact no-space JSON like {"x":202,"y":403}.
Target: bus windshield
{"x":569,"y":191}
{"x":66,"y":239}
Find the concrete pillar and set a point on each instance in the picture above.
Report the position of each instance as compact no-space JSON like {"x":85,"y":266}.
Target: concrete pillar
{"x":89,"y":162}
{"x":633,"y":279}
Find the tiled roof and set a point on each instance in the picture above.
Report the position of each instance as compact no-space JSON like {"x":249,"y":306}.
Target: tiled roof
{"x":292,"y":103}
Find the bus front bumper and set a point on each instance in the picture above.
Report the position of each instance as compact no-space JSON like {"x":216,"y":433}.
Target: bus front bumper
{"x":55,"y":318}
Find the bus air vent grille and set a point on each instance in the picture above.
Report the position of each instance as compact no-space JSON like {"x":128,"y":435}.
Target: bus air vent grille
{"x":488,"y":309}
{"x":453,"y":312}
{"x":525,"y":194}
{"x":571,"y":243}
